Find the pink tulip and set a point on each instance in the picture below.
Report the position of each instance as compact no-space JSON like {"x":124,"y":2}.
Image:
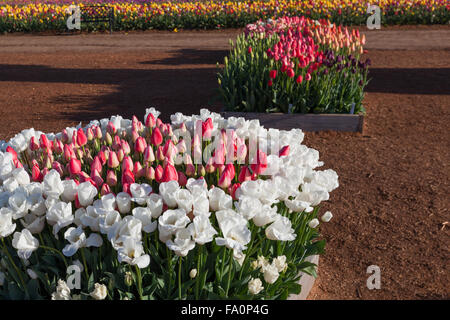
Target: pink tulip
{"x":44,"y":143}
{"x":207,"y":127}
{"x":110,"y":128}
{"x":149,"y":173}
{"x":102,"y":157}
{"x":58,"y":146}
{"x":190,"y":170}
{"x":34,"y":145}
{"x":90,"y":134}
{"x":111,"y":178}
{"x":224,"y":180}
{"x":159,"y":173}
{"x":127,"y":177}
{"x":156,"y":138}
{"x":140,"y":145}
{"x":116,"y":145}
{"x":149,"y":156}
{"x":113,"y":161}
{"x":36,"y":174}
{"x":97,"y":178}
{"x":233,"y":190}
{"x":120,"y":155}
{"x":127,"y":164}
{"x":261,"y":163}
{"x":9,"y":149}
{"x":150,"y":121}
{"x":160,"y":153}
{"x":58,"y":167}
{"x":125,"y":147}
{"x":98,"y":132}
{"x":138,"y":171}
{"x":105,"y":190}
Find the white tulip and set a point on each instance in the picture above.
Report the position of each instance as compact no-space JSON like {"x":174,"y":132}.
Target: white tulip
{"x":280,"y":263}
{"x":201,"y":205}
{"x":62,"y":291}
{"x":21,"y":176}
{"x":234,"y":229}
{"x":170,"y":222}
{"x":18,"y":202}
{"x":265,"y":215}
{"x":53,"y":186}
{"x":108,"y":221}
{"x":193,"y":273}
{"x":37,"y":204}
{"x":10,"y":185}
{"x":197,"y":186}
{"x":77,"y":240}
{"x":25,"y":243}
{"x":60,"y":216}
{"x":33,"y":223}
{"x":86,"y":193}
{"x":184,"y":199}
{"x":327,"y":216}
{"x":140,"y":192}
{"x":313,"y":223}
{"x":109,"y":202}
{"x":91,"y":218}
{"x":19,"y":143}
{"x":270,"y":273}
{"x":100,"y":292}
{"x":132,"y":252}
{"x":32,"y":274}
{"x":182,"y":243}
{"x":155,"y":204}
{"x":128,"y":227}
{"x":248,"y":207}
{"x":70,"y":190}
{"x":255,"y":286}
{"x":145,"y":216}
{"x":281,"y":230}
{"x":123,"y":200}
{"x":6,"y":224}
{"x":168,"y":191}
{"x":201,"y":230}
{"x":219,"y":200}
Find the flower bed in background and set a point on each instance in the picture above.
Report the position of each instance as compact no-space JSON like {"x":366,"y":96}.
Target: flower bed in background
{"x":201,"y":208}
{"x":29,"y":16}
{"x":295,"y":65}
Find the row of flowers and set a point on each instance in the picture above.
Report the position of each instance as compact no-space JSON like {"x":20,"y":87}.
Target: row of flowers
{"x":295,"y":65}
{"x":142,"y":15}
{"x":202,"y":207}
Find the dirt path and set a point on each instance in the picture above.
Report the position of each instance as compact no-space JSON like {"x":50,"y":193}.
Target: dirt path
{"x":394,"y":177}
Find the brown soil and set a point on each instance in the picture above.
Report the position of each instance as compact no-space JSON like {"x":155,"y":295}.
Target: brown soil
{"x":394,"y":178}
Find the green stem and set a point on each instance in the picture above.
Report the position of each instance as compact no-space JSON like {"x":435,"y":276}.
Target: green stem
{"x":19,"y":273}
{"x":229,"y":274}
{"x":169,"y":262}
{"x":179,"y":277}
{"x":199,"y":258}
{"x":56,"y":251}
{"x":139,"y":281}
{"x":84,"y":263}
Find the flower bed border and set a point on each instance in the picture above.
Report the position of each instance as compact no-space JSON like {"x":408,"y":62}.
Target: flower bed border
{"x":306,"y":122}
{"x":306,"y":281}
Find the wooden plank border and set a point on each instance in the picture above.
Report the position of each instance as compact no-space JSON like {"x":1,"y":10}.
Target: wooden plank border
{"x":306,"y":122}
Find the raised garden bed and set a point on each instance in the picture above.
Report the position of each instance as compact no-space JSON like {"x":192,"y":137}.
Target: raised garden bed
{"x":306,"y":122}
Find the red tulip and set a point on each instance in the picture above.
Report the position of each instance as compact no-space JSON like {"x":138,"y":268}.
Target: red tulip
{"x":127,"y":177}
{"x":270,"y":83}
{"x":74,"y":166}
{"x":207,"y":127}
{"x":44,"y":143}
{"x":9,"y":149}
{"x":182,"y":180}
{"x":170,"y":173}
{"x":261,"y":163}
{"x":111,"y":129}
{"x":245,"y":174}
{"x":233,"y":190}
{"x":96,"y":164}
{"x":299,"y":79}
{"x":81,"y":137}
{"x":36,"y":174}
{"x":273,"y":74}
{"x":138,"y":171}
{"x":290,"y":73}
{"x":284,"y":151}
{"x":34,"y":145}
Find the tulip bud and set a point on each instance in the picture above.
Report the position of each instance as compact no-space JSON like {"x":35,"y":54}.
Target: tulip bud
{"x":108,"y":139}
{"x":193,"y":273}
{"x":160,"y":153}
{"x":116,"y":145}
{"x":129,"y":277}
{"x":138,"y":171}
{"x":127,"y":164}
{"x":125,"y":147}
{"x":111,"y":129}
{"x":98,"y":133}
{"x":156,"y":138}
{"x":327,"y":216}
{"x":120,"y":155}
{"x":140,"y":145}
{"x":224,"y":180}
{"x":182,"y":180}
{"x":81,"y":137}
{"x":105,"y":190}
{"x":313,"y":223}
{"x":90,"y":134}
{"x":149,"y":173}
{"x":34,"y":144}
{"x":36,"y":174}
{"x":150,"y":121}
{"x":74,"y":166}
{"x":113,"y":161}
{"x":64,"y":136}
{"x":149,"y":156}
{"x":44,"y":143}
{"x":127,"y":177}
{"x":190,"y":170}
{"x":111,"y":178}
{"x":169,"y":174}
{"x":201,"y":170}
{"x":159,"y":173}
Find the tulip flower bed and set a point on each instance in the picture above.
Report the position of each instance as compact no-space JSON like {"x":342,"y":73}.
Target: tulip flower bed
{"x":195,"y":209}
{"x":44,"y":15}
{"x":295,"y":65}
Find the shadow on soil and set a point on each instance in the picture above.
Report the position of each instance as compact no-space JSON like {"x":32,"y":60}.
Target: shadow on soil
{"x":192,"y":56}
{"x":133,"y":90}
{"x":409,"y":81}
